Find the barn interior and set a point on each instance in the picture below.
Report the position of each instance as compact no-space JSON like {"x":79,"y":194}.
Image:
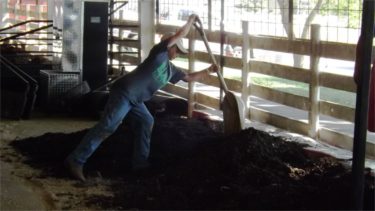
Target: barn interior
{"x":306,"y":122}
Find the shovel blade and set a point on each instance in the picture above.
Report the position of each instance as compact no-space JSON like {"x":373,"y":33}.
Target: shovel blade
{"x":233,"y":112}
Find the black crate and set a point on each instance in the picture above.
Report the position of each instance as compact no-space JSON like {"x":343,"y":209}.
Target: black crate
{"x":54,"y":85}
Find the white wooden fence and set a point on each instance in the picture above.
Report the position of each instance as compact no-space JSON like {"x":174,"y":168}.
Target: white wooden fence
{"x":313,"y":105}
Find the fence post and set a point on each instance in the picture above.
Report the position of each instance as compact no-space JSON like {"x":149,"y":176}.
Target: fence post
{"x":245,"y":66}
{"x":209,"y":12}
{"x":314,"y":92}
{"x":191,"y":85}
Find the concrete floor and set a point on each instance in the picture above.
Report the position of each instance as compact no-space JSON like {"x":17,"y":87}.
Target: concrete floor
{"x":19,"y":193}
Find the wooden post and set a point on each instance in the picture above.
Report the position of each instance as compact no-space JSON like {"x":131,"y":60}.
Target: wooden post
{"x":191,"y":85}
{"x":245,"y":66}
{"x":222,"y":58}
{"x":146,"y":33}
{"x":290,"y":20}
{"x":121,"y":17}
{"x":314,"y":83}
{"x":209,"y":15}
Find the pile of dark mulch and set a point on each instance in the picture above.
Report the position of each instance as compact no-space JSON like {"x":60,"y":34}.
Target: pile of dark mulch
{"x":196,"y":167}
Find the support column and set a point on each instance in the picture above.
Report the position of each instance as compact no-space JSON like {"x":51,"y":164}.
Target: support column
{"x":314,"y":83}
{"x":245,"y":67}
{"x":362,"y":105}
{"x":290,"y":20}
{"x":191,"y":90}
{"x":147,"y":27}
{"x":209,"y":15}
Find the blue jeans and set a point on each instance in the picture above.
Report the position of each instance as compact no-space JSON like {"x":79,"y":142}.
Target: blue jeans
{"x":117,"y":107}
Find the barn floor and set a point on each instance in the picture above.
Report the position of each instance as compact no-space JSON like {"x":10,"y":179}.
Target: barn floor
{"x":30,"y":182}
{"x":18,"y":190}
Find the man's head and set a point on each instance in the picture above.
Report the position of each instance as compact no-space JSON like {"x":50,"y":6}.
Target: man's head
{"x":177,"y":48}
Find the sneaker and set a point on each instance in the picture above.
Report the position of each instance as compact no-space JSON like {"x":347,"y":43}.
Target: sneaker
{"x":75,"y":169}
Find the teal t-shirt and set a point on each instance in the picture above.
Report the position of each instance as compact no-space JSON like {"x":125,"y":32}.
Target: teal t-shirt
{"x":151,"y":75}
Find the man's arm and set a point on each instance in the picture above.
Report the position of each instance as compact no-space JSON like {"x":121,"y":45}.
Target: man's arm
{"x":200,"y":75}
{"x":183,"y":31}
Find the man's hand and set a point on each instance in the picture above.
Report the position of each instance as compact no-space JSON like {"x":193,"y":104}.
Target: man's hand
{"x":213,"y":68}
{"x":193,"y":17}
{"x":184,"y":30}
{"x":199,"y":21}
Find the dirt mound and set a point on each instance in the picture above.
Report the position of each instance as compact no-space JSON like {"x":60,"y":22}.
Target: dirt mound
{"x":196,"y":167}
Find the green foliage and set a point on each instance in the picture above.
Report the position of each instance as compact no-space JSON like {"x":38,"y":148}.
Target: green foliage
{"x":250,"y":5}
{"x":342,"y":8}
{"x":346,"y":8}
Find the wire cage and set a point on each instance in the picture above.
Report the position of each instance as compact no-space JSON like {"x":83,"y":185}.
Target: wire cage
{"x":54,"y":85}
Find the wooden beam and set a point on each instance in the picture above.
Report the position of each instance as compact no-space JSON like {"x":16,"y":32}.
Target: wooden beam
{"x":207,"y":100}
{"x":337,"y":111}
{"x":177,"y":90}
{"x":279,"y":121}
{"x":191,"y":85}
{"x":336,"y":50}
{"x":343,"y":141}
{"x":281,"y":71}
{"x":340,"y":82}
{"x":147,"y":27}
{"x":314,"y":91}
{"x":284,"y":98}
{"x":245,"y":92}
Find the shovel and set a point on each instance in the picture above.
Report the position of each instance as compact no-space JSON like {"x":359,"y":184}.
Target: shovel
{"x":233,"y":106}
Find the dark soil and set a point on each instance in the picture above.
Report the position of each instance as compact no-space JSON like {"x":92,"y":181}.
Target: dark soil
{"x":196,"y":167}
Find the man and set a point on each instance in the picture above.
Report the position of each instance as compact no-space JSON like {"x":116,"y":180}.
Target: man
{"x":127,"y":98}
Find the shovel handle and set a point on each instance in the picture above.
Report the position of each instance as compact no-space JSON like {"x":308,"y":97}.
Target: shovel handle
{"x":203,"y":35}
